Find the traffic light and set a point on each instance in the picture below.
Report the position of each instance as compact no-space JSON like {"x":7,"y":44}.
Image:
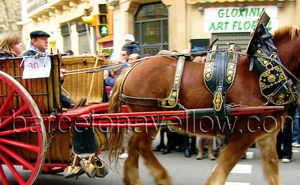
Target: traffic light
{"x":91,"y":20}
{"x":103,"y":18}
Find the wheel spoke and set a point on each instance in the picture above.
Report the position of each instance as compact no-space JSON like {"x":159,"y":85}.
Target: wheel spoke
{"x":20,"y":130}
{"x":16,"y":114}
{"x":20,"y":144}
{"x":19,"y":115}
{"x":22,"y":161}
{"x":7,"y":101}
{"x":3,"y":176}
{"x":12,"y":168}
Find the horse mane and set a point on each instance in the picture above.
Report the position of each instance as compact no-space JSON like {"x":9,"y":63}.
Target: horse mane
{"x":291,"y":31}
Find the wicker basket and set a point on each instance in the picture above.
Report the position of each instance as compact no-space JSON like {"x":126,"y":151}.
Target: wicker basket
{"x":44,"y":91}
{"x":89,"y":85}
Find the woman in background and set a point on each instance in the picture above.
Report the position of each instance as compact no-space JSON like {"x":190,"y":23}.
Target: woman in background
{"x":10,"y":45}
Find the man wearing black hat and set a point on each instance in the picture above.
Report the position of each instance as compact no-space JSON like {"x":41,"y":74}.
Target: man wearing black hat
{"x":39,"y":43}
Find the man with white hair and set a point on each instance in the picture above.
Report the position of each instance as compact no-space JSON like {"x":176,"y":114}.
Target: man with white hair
{"x":118,"y":70}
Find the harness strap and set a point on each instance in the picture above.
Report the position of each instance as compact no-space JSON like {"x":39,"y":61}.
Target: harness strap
{"x":171,"y":101}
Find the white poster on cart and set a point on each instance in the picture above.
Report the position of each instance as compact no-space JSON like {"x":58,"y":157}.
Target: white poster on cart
{"x":36,"y":67}
{"x":237,"y":19}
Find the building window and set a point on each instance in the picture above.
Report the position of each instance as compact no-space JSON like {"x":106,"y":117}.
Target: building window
{"x":151,"y":28}
{"x":240,"y":39}
{"x":84,"y":42}
{"x":66,"y":34}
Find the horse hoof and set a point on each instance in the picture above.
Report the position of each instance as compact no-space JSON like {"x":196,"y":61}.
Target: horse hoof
{"x":139,"y":182}
{"x":166,"y":181}
{"x":136,"y":182}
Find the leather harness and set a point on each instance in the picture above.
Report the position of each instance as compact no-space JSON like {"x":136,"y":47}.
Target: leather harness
{"x":220,"y":71}
{"x":169,"y":102}
{"x":219,"y":74}
{"x":273,"y":83}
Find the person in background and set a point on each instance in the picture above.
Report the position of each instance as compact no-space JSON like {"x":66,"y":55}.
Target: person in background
{"x":296,"y":127}
{"x":189,"y":145}
{"x":210,"y":155}
{"x":10,"y":45}
{"x":125,"y":54}
{"x":109,"y":80}
{"x":132,"y":58}
{"x":284,"y":138}
{"x":38,"y":46}
{"x":130,"y":45}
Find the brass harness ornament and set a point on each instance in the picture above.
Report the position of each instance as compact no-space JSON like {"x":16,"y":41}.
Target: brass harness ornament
{"x":219,"y":74}
{"x":172,"y":100}
{"x":271,"y":79}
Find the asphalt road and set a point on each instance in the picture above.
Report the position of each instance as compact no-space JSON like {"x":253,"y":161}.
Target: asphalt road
{"x":189,"y":171}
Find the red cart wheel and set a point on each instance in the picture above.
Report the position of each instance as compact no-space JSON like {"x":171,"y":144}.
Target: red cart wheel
{"x":22,"y":134}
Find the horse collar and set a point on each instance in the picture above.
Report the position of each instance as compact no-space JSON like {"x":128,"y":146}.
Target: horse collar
{"x":273,"y":83}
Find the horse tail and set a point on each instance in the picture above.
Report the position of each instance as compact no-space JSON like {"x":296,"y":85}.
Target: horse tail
{"x":116,"y":134}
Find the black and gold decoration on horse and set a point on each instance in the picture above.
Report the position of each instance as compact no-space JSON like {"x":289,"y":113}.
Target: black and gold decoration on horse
{"x":218,"y":101}
{"x":172,"y":100}
{"x":218,"y":61}
{"x":272,"y":82}
{"x":219,"y":75}
{"x":231,"y":66}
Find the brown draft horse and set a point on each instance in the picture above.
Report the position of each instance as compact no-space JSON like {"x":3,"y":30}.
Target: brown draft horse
{"x":153,"y":79}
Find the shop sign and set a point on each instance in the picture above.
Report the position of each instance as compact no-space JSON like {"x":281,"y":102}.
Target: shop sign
{"x":237,"y":19}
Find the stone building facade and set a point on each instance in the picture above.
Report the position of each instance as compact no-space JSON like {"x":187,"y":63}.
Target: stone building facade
{"x":156,"y":25}
{"x":10,"y":14}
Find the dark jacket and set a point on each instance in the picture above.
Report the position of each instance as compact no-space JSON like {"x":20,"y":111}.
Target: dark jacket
{"x":29,"y":53}
{"x":132,"y":48}
{"x":4,"y":54}
{"x":110,"y":80}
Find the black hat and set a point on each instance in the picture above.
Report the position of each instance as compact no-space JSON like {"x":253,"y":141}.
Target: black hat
{"x":35,"y":34}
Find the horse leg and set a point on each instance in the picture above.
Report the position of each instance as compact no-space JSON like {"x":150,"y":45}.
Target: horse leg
{"x":267,"y":146}
{"x":230,"y":155}
{"x":160,"y":175}
{"x":140,"y":143}
{"x":131,"y":164}
{"x":143,"y":144}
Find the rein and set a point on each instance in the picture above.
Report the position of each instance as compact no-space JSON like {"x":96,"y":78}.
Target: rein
{"x":194,"y":54}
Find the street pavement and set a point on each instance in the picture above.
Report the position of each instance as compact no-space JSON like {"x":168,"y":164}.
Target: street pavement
{"x":189,"y":171}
